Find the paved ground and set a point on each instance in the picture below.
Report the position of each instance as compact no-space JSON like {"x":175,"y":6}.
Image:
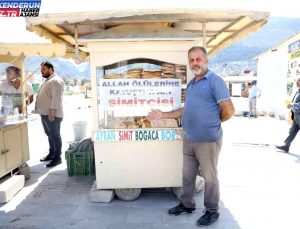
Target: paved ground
{"x":260,"y":186}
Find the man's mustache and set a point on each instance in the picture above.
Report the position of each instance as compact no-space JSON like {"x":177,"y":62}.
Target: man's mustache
{"x":195,"y":66}
{"x":198,"y":68}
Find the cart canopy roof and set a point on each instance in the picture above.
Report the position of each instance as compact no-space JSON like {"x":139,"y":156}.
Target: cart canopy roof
{"x":24,"y":43}
{"x":219,"y":28}
{"x":8,"y":50}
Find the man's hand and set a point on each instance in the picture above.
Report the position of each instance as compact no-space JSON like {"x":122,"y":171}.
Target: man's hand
{"x":227,"y":110}
{"x":29,"y":100}
{"x":51,"y":115}
{"x":19,"y":108}
{"x":155,"y":115}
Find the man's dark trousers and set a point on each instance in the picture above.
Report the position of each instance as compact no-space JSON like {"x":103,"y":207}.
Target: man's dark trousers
{"x":52,"y":130}
{"x":292,"y":134}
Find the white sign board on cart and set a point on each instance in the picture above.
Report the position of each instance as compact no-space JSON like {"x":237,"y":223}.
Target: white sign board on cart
{"x":132,"y":97}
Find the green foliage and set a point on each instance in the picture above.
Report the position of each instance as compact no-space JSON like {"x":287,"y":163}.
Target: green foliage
{"x":65,"y":79}
{"x":83,"y":82}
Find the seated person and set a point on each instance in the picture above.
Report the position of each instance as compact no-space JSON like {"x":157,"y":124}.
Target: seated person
{"x":10,"y":90}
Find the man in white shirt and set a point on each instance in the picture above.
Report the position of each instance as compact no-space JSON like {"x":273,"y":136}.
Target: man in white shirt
{"x":254,"y":93}
{"x":49,"y":106}
{"x":10,"y":90}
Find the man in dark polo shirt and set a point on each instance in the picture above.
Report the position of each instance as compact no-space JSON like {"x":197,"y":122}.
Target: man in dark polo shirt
{"x":207,"y":104}
{"x":295,"y":109}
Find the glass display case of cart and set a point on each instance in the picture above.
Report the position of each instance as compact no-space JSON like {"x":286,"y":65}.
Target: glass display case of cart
{"x":9,"y":107}
{"x":129,"y":89}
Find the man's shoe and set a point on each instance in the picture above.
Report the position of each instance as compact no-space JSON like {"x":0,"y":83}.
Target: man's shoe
{"x":180,"y":209}
{"x":54,"y":162}
{"x":47,"y":158}
{"x":283,"y":148}
{"x":208,"y":218}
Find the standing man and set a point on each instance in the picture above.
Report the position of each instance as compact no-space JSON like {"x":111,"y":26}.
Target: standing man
{"x":207,"y":104}
{"x":254,"y":93}
{"x":49,"y":106}
{"x":10,"y":89}
{"x":295,"y":108}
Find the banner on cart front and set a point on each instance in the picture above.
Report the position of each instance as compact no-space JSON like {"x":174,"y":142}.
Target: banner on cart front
{"x":136,"y":97}
{"x":137,"y":135}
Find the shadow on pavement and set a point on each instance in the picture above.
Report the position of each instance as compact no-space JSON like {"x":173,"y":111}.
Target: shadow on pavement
{"x":52,"y":199}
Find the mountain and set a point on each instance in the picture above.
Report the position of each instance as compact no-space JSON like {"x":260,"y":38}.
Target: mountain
{"x":238,"y":56}
{"x":63,"y":67}
{"x":230,"y":61}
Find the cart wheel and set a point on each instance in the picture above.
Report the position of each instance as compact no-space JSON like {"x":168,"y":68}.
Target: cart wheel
{"x":25,"y":170}
{"x":128,"y":194}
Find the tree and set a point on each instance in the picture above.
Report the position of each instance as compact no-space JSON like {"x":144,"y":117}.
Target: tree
{"x":65,"y":80}
{"x":75,"y":80}
{"x":83,"y":82}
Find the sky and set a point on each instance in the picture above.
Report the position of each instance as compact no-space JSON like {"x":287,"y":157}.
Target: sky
{"x":11,"y":27}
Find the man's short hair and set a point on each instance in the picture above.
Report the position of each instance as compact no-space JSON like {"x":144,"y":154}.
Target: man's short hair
{"x":198,"y":48}
{"x":47,"y":64}
{"x":14,"y":69}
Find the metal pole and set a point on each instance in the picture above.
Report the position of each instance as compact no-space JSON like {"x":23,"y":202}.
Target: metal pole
{"x":204,"y":34}
{"x":23,"y":94}
{"x":77,"y":57}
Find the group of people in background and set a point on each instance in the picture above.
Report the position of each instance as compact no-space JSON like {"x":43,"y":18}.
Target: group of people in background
{"x":207,"y":105}
{"x":49,"y":104}
{"x":254,"y":93}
